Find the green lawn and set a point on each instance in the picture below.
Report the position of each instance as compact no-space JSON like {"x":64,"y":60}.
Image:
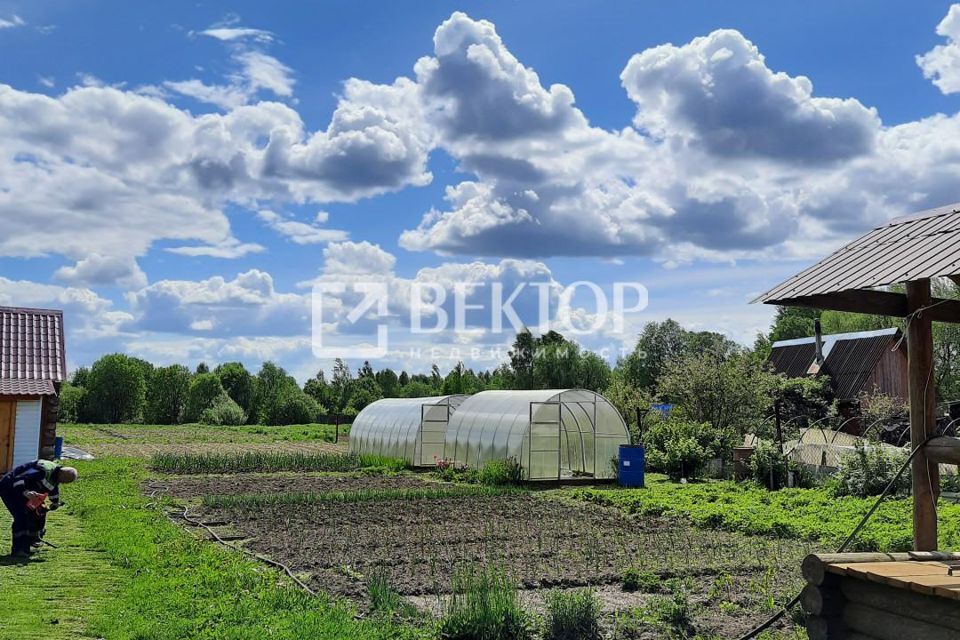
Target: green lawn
{"x":126,"y":572}
{"x":804,"y":514}
{"x":58,"y":592}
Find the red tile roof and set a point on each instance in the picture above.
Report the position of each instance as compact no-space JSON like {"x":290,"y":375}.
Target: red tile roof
{"x":32,"y":345}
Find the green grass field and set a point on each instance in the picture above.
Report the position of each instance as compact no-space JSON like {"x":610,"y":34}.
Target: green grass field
{"x":125,"y":571}
{"x":84,"y":435}
{"x":59,"y":592}
{"x":802,"y":514}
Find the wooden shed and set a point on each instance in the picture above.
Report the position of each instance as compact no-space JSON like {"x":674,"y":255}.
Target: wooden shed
{"x":32,"y":367}
{"x":856,"y":363}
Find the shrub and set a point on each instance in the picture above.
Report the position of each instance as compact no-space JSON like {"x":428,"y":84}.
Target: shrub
{"x":501,"y":472}
{"x":223,"y":411}
{"x":293,"y":407}
{"x":573,"y":615}
{"x":71,"y":403}
{"x":205,"y":388}
{"x":484,"y":605}
{"x":770,"y":467}
{"x":681,"y":449}
{"x":868,"y":470}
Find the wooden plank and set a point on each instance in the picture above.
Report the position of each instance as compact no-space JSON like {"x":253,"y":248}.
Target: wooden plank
{"x":890,"y":625}
{"x":925,"y":474}
{"x":944,"y":449}
{"x":897,"y":569}
{"x":933,"y":610}
{"x":816,"y":565}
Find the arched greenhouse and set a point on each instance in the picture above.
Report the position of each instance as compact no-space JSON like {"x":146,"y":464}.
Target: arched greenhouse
{"x":553,"y":433}
{"x":410,"y":428}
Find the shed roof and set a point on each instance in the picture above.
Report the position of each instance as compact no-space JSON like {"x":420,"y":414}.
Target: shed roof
{"x":921,"y":245}
{"x":849,"y":358}
{"x":31,"y":345}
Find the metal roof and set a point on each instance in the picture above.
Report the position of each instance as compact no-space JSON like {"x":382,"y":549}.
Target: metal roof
{"x":917,"y":246}
{"x":32,"y":344}
{"x":849,"y":358}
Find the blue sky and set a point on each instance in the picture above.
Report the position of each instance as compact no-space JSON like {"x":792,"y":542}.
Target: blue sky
{"x":177,"y":176}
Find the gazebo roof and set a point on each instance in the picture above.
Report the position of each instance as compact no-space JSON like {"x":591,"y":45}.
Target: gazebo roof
{"x":915,"y":247}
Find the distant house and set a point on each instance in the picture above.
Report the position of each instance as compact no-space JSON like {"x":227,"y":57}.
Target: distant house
{"x":857,"y":363}
{"x":32,"y":366}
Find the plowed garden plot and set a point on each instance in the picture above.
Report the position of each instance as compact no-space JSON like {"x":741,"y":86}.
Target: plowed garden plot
{"x":270,"y":484}
{"x":417,"y":544}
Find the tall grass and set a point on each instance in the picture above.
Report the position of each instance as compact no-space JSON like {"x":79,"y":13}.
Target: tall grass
{"x":485,"y":606}
{"x":259,"y":501}
{"x":573,"y":615}
{"x":269,"y":462}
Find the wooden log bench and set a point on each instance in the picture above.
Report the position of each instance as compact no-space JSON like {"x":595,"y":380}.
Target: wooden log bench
{"x":882,"y":596}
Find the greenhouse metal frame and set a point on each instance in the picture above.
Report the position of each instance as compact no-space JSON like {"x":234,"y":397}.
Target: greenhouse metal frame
{"x":553,"y":434}
{"x":413,"y":429}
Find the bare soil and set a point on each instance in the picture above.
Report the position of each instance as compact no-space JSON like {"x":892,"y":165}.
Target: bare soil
{"x":544,"y":543}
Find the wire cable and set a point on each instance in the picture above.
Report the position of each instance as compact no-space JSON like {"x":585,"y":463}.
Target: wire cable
{"x":753,"y":633}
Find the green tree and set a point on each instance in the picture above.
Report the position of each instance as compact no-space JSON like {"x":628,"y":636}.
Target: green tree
{"x":116,"y":390}
{"x":389,"y":383}
{"x":167,"y":394}
{"x":417,"y":389}
{"x":663,"y":343}
{"x":318,"y":389}
{"x":341,"y":386}
{"x":366,"y":371}
{"x":792,"y":322}
{"x":80,"y":377}
{"x":403,"y":379}
{"x":731,"y":393}
{"x":522,"y":356}
{"x":204,"y":389}
{"x":202,"y":368}
{"x":365,"y":390}
{"x":238,"y":383}
{"x":272,"y":385}
{"x":72,"y":403}
{"x":293,"y":406}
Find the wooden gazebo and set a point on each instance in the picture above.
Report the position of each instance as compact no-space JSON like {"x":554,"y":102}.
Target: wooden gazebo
{"x":886,"y":596}
{"x":910,"y":250}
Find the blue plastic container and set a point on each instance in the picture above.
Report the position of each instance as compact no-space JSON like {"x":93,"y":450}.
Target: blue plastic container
{"x":632,"y":459}
{"x":58,"y":448}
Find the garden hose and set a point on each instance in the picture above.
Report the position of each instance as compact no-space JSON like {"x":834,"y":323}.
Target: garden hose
{"x":279,"y":565}
{"x":753,"y":633}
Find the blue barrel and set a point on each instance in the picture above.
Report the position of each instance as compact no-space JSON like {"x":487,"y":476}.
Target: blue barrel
{"x":58,"y":448}
{"x":631,"y":463}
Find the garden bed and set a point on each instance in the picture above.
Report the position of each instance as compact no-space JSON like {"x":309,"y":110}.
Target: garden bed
{"x":731,"y":581}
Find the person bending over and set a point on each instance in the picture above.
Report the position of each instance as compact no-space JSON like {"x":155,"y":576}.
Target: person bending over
{"x":24,"y":492}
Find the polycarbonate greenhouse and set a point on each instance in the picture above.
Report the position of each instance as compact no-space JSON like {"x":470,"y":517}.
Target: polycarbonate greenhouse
{"x":553,"y":434}
{"x":408,"y":428}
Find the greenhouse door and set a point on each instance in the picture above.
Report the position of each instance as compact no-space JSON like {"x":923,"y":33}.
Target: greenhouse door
{"x":433,"y":432}
{"x":543,"y":455}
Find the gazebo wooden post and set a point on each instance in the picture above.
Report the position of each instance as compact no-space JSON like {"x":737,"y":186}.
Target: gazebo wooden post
{"x":923,"y":423}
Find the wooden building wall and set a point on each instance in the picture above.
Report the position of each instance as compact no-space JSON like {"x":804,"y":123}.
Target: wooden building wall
{"x":48,"y":424}
{"x":890,"y":374}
